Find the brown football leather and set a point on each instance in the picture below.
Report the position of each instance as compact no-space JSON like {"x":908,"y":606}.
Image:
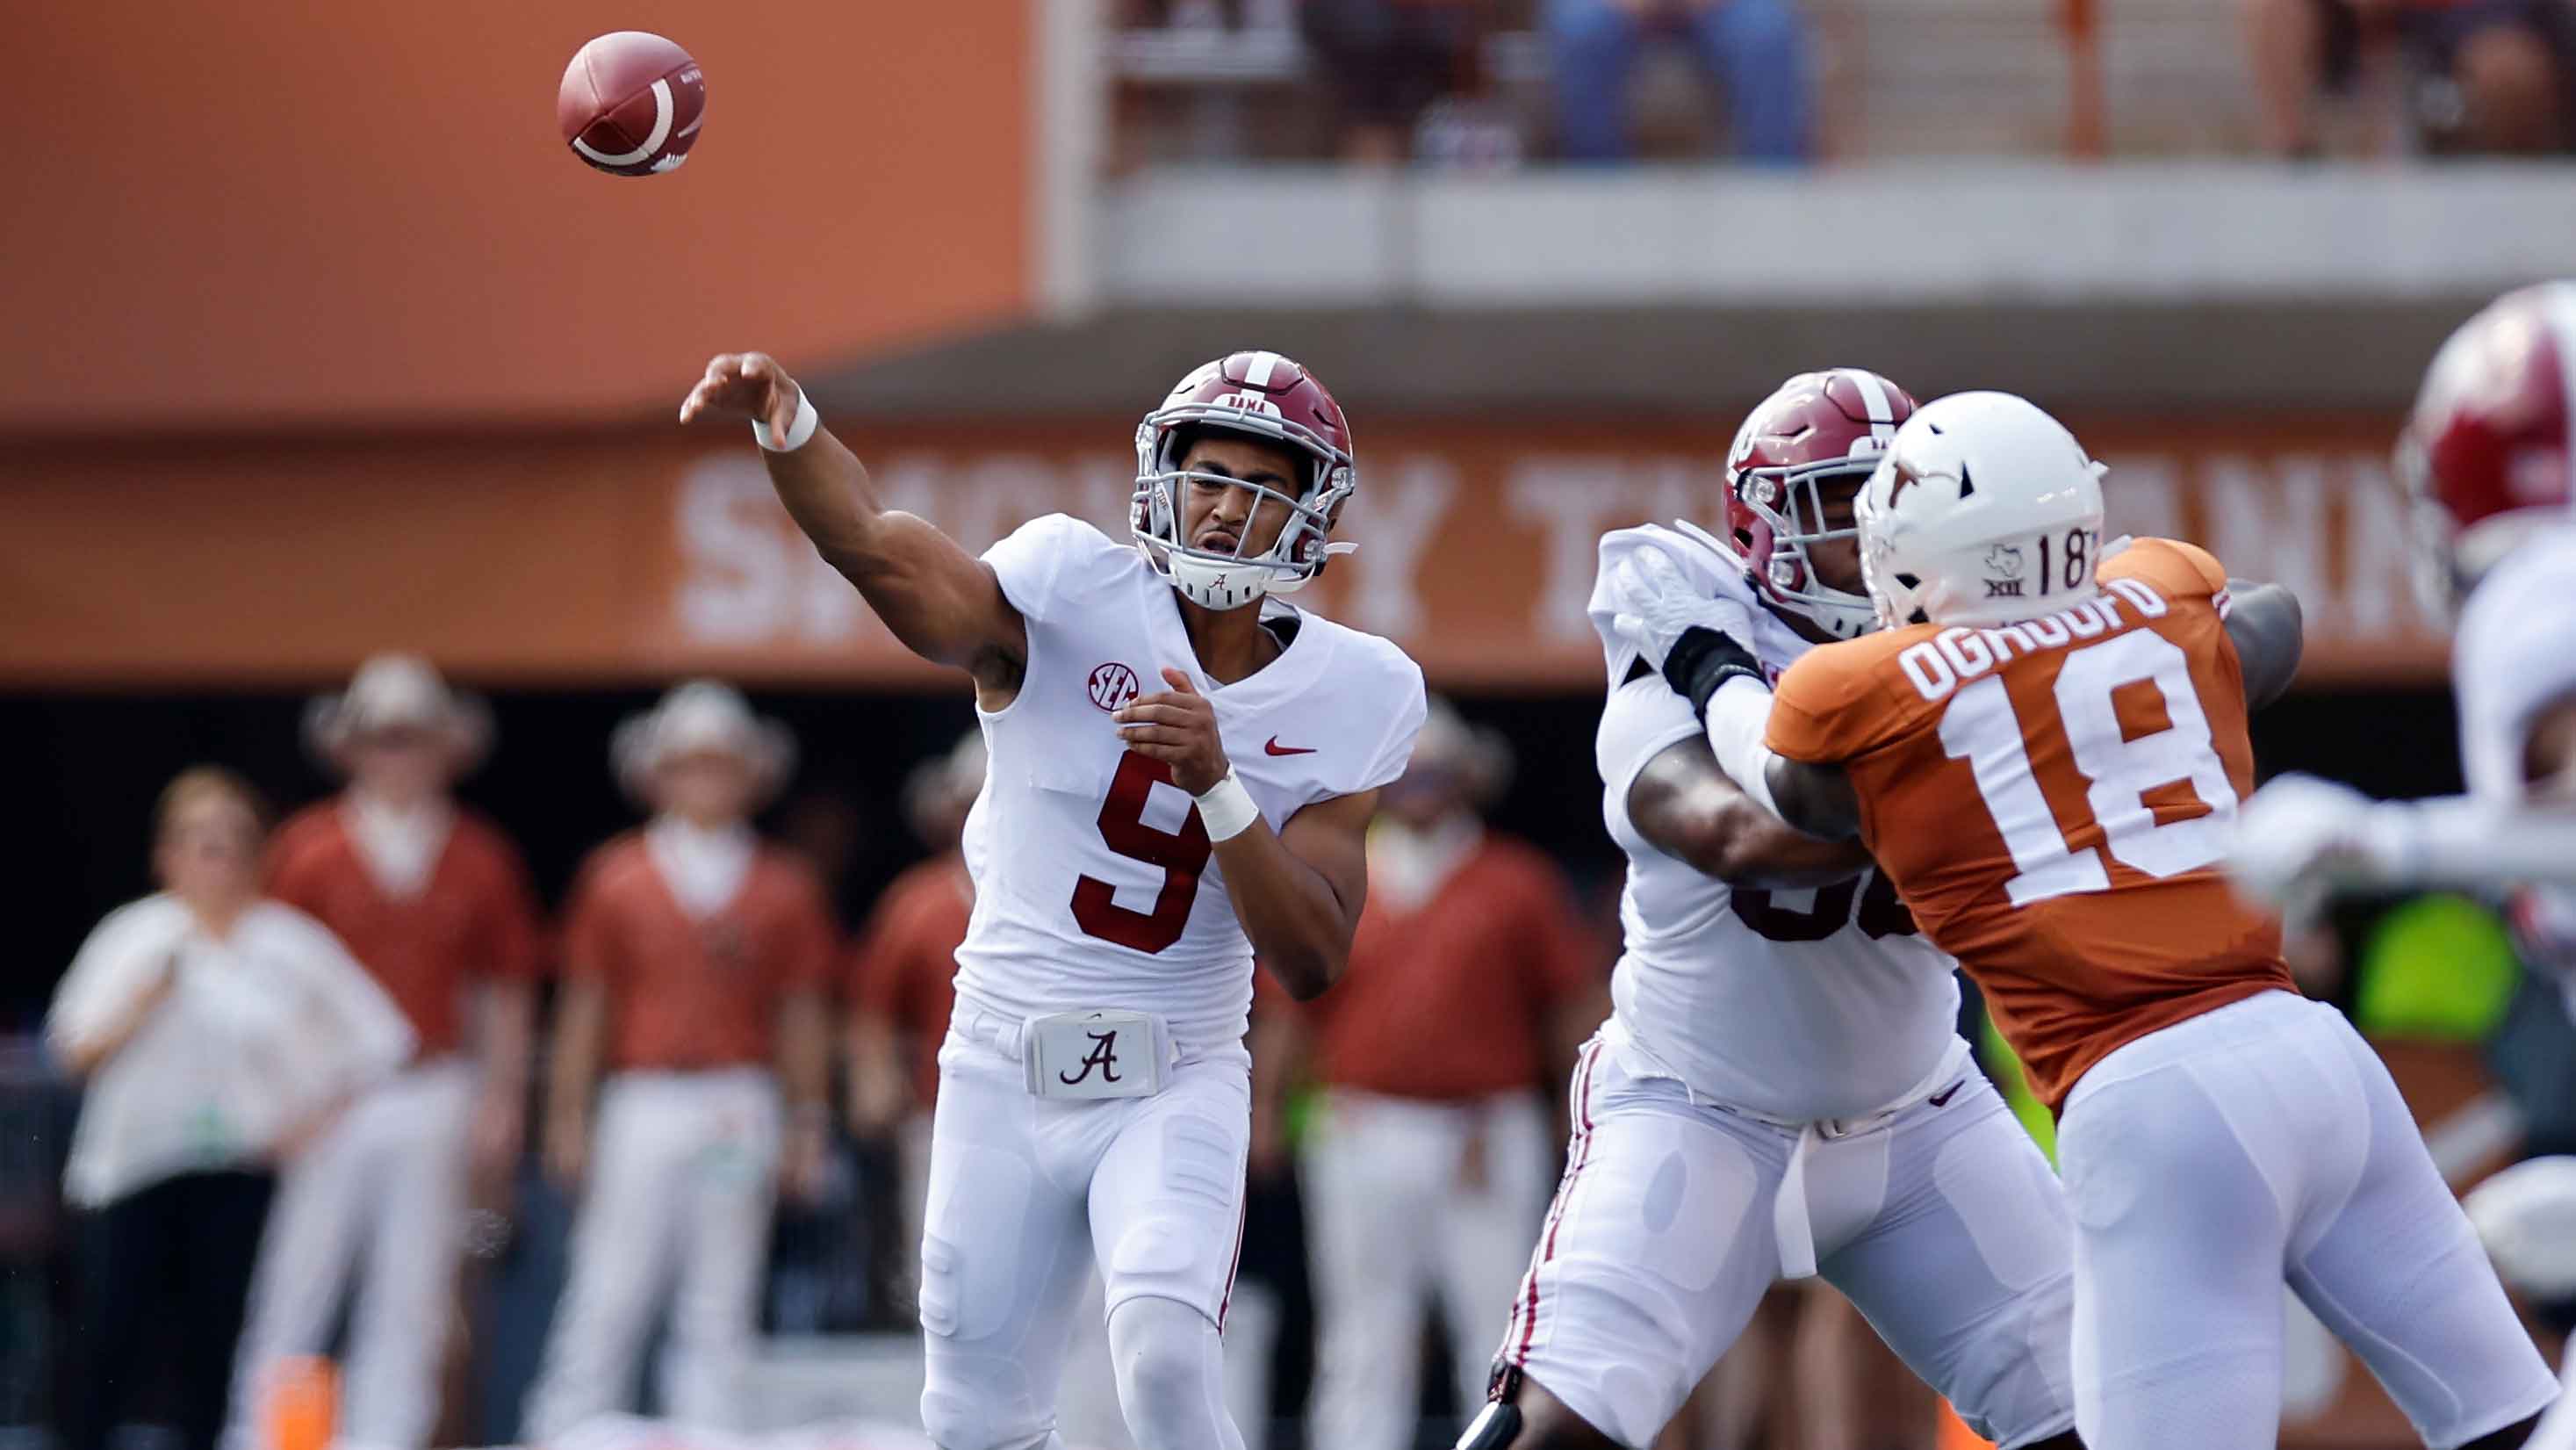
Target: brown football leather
{"x":609,"y":103}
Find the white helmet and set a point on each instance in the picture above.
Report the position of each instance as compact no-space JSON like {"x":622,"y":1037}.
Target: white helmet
{"x":1984,"y":510}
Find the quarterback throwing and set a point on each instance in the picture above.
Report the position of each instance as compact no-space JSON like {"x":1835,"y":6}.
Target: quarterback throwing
{"x":1181,"y":772}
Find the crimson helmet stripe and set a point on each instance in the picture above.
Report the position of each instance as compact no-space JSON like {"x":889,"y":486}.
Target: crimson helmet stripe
{"x":1263,"y":363}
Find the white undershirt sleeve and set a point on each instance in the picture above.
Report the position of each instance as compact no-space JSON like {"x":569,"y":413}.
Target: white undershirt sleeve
{"x":1737,"y":716}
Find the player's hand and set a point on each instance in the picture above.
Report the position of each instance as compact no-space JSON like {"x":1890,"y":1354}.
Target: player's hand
{"x":1657,"y":605}
{"x":746,"y":385}
{"x":2300,"y":839}
{"x":1177,"y":725}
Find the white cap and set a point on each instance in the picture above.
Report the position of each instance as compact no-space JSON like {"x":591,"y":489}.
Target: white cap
{"x":394,"y":691}
{"x":699,"y":716}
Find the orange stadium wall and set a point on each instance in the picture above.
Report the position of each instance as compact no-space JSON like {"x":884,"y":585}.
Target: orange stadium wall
{"x":273,"y":214}
{"x":639,"y":556}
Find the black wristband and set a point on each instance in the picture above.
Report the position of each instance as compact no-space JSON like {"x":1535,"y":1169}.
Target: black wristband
{"x":1704,"y":659}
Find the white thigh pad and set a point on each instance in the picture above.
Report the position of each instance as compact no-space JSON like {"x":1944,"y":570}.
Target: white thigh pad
{"x":1167,"y":1197}
{"x":982,"y":1199}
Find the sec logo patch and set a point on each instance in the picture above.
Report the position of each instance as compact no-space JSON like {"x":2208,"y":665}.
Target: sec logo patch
{"x":1112,"y":685}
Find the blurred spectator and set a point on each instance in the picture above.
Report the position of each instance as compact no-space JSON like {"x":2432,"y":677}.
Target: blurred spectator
{"x":434,"y":901}
{"x":1388,"y":61}
{"x":216,"y":1032}
{"x":1756,"y":49}
{"x":2482,"y":75}
{"x":694,"y":956}
{"x":899,"y":986}
{"x":1469,"y":988}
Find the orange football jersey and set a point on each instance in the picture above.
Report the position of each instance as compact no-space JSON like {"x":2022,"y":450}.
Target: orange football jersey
{"x":2052,"y":797}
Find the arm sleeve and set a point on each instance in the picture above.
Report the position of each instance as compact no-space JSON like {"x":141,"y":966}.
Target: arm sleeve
{"x":292,"y":873}
{"x":1395,"y":751}
{"x":376,"y":1037}
{"x":1564,"y":958}
{"x":589,"y":933}
{"x":875,"y":979}
{"x":806,"y":941}
{"x":1641,"y":720}
{"x":1819,"y":710}
{"x":104,"y":978}
{"x":1028,"y":559}
{"x":2182,"y":571}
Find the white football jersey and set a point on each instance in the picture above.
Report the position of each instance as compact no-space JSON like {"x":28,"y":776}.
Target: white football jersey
{"x":1095,"y":883}
{"x":1796,"y":1004}
{"x":2515,"y":654}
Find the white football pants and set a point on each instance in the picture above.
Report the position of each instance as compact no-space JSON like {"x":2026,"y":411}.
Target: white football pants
{"x":683,"y":1174}
{"x":1028,"y":1193}
{"x":2211,"y":1161}
{"x":1407,"y":1199}
{"x":1940,"y":1221}
{"x":380,"y":1194}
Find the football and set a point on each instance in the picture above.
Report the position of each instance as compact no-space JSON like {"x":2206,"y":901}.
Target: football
{"x":631,"y":103}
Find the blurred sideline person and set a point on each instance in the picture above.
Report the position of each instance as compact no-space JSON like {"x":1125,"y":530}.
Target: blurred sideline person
{"x":435,"y":902}
{"x":1471,"y":986}
{"x":899,"y":981}
{"x":1781,"y":1091}
{"x":215,"y":1032}
{"x":1182,"y":773}
{"x":2485,"y":459}
{"x":695,"y":955}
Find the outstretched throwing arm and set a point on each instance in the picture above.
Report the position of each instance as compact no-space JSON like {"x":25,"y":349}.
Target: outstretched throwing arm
{"x":945,"y":604}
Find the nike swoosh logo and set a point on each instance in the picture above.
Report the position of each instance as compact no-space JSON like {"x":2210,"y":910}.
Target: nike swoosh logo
{"x":1944,"y":1095}
{"x":1275,"y":748}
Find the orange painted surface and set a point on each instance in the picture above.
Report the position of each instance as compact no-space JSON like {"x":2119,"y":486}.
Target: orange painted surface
{"x":642,"y":554}
{"x":264,"y":213}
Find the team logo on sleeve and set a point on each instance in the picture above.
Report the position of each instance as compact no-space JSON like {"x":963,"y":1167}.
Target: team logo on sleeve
{"x":1112,"y":686}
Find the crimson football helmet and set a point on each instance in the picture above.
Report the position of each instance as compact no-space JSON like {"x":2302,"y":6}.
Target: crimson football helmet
{"x":1815,"y":427}
{"x":1273,"y":399}
{"x":2484,"y":457}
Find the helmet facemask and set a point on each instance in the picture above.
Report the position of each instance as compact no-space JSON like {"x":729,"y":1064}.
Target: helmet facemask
{"x":1789,"y":505}
{"x":1230,"y":579}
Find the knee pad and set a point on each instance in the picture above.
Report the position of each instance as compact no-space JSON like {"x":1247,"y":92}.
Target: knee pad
{"x":1171,"y":1373}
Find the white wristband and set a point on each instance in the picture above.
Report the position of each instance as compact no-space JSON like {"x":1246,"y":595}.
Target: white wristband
{"x":1226,"y":808}
{"x":807,"y":420}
